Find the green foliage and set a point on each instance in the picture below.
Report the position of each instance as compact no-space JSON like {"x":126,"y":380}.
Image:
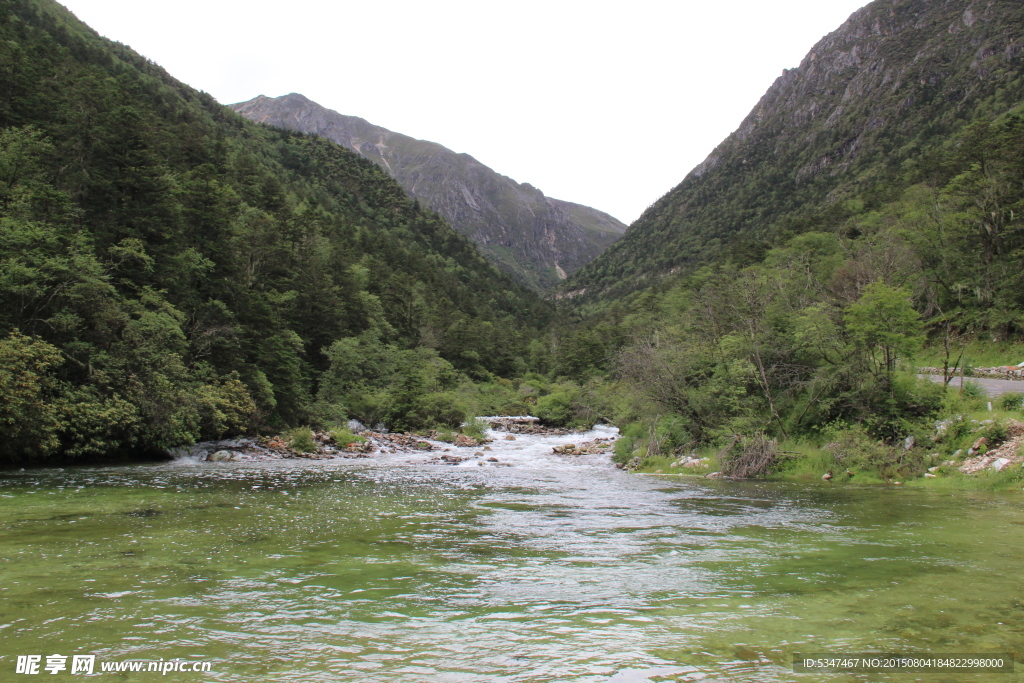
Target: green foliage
{"x":628,"y":442}
{"x":29,"y":413}
{"x":300,"y":440}
{"x":405,"y":389}
{"x":342,"y":436}
{"x":1011,"y":400}
{"x":854,"y":448}
{"x":475,"y":428}
{"x":885,"y":325}
{"x":189,"y":267}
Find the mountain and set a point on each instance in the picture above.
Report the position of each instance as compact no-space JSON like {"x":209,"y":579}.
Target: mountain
{"x":170,"y":270}
{"x":855,"y":122}
{"x":537,"y":239}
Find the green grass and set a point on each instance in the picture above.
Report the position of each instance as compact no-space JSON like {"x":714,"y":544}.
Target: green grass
{"x":979,"y":354}
{"x":343,"y":436}
{"x":1011,"y":479}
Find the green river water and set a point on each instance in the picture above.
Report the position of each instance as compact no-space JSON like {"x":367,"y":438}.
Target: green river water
{"x":551,"y":569}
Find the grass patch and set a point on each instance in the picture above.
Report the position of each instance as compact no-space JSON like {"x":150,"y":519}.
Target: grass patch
{"x":1011,"y":479}
{"x":978,"y":354}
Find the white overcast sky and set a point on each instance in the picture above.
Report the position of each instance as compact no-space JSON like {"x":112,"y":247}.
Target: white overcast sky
{"x":605,"y":104}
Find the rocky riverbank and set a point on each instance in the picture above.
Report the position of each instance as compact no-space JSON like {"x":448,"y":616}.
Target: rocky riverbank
{"x":369,"y":443}
{"x":326,"y":447}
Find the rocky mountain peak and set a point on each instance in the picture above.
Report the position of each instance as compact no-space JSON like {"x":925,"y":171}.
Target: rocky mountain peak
{"x":539,"y":240}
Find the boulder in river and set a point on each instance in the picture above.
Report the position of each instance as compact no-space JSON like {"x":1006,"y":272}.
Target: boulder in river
{"x":220,"y":456}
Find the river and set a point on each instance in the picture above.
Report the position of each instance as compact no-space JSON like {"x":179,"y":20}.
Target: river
{"x":540,"y":567}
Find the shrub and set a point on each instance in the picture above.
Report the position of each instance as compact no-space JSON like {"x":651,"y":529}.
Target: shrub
{"x":440,"y":409}
{"x":342,"y":435}
{"x":1011,"y":400}
{"x":854,"y":448}
{"x":555,"y":409}
{"x":626,"y":444}
{"x":301,"y":440}
{"x":972,"y":390}
{"x":475,"y":428}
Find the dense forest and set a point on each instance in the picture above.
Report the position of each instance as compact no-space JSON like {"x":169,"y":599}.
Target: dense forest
{"x":172,"y":272}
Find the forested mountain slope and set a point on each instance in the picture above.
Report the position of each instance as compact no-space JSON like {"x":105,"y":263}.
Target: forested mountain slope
{"x":171,"y":271}
{"x":537,"y":239}
{"x":861,"y":118}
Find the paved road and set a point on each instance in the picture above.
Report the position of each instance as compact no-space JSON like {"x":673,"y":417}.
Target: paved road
{"x":994,"y":387}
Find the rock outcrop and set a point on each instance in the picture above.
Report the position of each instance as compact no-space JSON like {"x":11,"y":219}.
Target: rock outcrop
{"x":894,"y":82}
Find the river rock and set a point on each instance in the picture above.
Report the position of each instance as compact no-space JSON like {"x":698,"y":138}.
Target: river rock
{"x":713,"y":475}
{"x":220,"y":456}
{"x":463,"y":441}
{"x":509,"y":437}
{"x":1000,"y":464}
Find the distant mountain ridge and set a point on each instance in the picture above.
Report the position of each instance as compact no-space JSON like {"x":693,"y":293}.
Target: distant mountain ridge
{"x":894,"y":83}
{"x":536,"y":239}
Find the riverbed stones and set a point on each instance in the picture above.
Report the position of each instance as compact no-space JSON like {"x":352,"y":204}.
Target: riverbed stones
{"x":509,"y":437}
{"x":463,"y":441}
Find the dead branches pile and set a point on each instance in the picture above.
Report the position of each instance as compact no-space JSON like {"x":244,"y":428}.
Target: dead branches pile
{"x":749,"y":456}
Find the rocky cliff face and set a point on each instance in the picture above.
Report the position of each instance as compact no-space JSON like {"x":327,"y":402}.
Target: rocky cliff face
{"x":537,"y":239}
{"x":897,"y":80}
